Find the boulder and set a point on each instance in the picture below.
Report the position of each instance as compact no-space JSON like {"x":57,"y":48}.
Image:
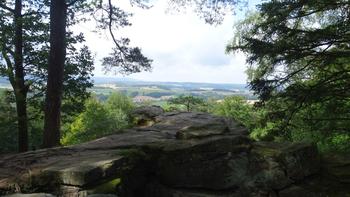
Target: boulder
{"x":145,"y":115}
{"x":217,"y":163}
{"x":293,"y":191}
{"x":189,"y":125}
{"x":181,"y":154}
{"x":276,"y":165}
{"x":30,"y":195}
{"x":155,"y":189}
{"x":337,"y":167}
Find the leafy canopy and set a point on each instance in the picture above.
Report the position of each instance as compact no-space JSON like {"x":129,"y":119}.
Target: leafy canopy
{"x":299,"y":55}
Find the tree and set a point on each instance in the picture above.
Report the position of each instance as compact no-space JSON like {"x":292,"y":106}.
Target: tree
{"x":299,"y":54}
{"x":188,"y":101}
{"x":100,"y":119}
{"x":26,"y":66}
{"x":212,"y":12}
{"x":8,"y":118}
{"x":58,"y":17}
{"x":125,"y":58}
{"x":237,"y":108}
{"x":14,"y":60}
{"x":17,"y":71}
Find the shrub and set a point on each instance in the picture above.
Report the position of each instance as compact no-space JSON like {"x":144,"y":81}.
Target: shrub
{"x":99,"y":119}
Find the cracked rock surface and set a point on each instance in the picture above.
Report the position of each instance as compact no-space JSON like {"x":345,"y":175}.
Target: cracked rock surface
{"x":179,"y":154}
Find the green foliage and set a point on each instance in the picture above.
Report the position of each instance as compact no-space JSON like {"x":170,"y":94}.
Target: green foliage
{"x":189,"y":102}
{"x":299,"y":54}
{"x":99,"y":119}
{"x":119,"y":101}
{"x":8,"y":125}
{"x":237,"y":109}
{"x":29,"y":82}
{"x":8,"y":139}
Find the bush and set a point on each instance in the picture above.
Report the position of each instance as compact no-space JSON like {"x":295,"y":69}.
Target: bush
{"x":189,"y":103}
{"x":99,"y":119}
{"x":254,"y":119}
{"x":238,"y":109}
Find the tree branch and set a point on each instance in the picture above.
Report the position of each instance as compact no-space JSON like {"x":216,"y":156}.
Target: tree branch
{"x":6,"y":8}
{"x":9,"y":68}
{"x":73,"y":2}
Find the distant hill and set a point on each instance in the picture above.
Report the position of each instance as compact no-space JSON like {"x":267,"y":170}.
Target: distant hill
{"x":111,"y":80}
{"x":183,"y":85}
{"x":4,"y":80}
{"x":162,"y":85}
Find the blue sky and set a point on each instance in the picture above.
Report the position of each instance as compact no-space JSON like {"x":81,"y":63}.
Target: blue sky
{"x":182,"y":46}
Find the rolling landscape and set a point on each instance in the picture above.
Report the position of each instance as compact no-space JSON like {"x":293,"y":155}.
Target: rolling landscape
{"x":159,"y":92}
{"x":174,"y":98}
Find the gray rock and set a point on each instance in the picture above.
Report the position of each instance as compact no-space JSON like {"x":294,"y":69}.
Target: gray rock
{"x":297,"y":191}
{"x":155,"y":189}
{"x":188,"y":154}
{"x":95,"y":166}
{"x":145,"y":115}
{"x":30,"y":195}
{"x":189,"y":125}
{"x":337,"y":167}
{"x":215,"y":163}
{"x":278,"y":165}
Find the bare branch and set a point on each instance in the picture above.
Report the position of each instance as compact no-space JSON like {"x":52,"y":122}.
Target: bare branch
{"x":73,"y":2}
{"x":6,"y":8}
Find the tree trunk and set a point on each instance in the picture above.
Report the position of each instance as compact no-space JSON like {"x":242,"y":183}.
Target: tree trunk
{"x":58,"y":15}
{"x":20,"y":88}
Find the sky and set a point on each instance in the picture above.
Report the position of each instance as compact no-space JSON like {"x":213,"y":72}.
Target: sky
{"x":182,"y":46}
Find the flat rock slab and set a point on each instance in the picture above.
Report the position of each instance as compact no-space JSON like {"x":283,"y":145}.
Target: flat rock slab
{"x":192,"y":154}
{"x":30,"y":195}
{"x":79,"y":165}
{"x":187,"y":125}
{"x":85,"y":169}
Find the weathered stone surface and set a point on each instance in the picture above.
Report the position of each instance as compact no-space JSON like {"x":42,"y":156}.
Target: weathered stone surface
{"x":181,"y":154}
{"x":297,"y":191}
{"x":145,"y":115}
{"x":186,"y":125}
{"x":97,"y":165}
{"x":337,"y":167}
{"x":218,"y":163}
{"x":30,"y":195}
{"x":155,"y":189}
{"x":77,"y":165}
{"x":296,"y":160}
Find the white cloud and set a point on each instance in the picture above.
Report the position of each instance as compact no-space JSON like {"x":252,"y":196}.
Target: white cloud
{"x":182,"y":46}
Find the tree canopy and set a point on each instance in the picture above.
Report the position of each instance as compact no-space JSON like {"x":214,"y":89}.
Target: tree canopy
{"x":299,"y":52}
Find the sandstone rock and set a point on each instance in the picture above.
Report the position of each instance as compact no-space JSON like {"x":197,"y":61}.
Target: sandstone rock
{"x":337,"y":167}
{"x":78,"y":165}
{"x":145,"y":115}
{"x":217,"y":163}
{"x":182,"y":154}
{"x":187,"y":125}
{"x":297,"y":160}
{"x":297,"y":191}
{"x":155,"y":189}
{"x":30,"y":195}
{"x":92,"y":167}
